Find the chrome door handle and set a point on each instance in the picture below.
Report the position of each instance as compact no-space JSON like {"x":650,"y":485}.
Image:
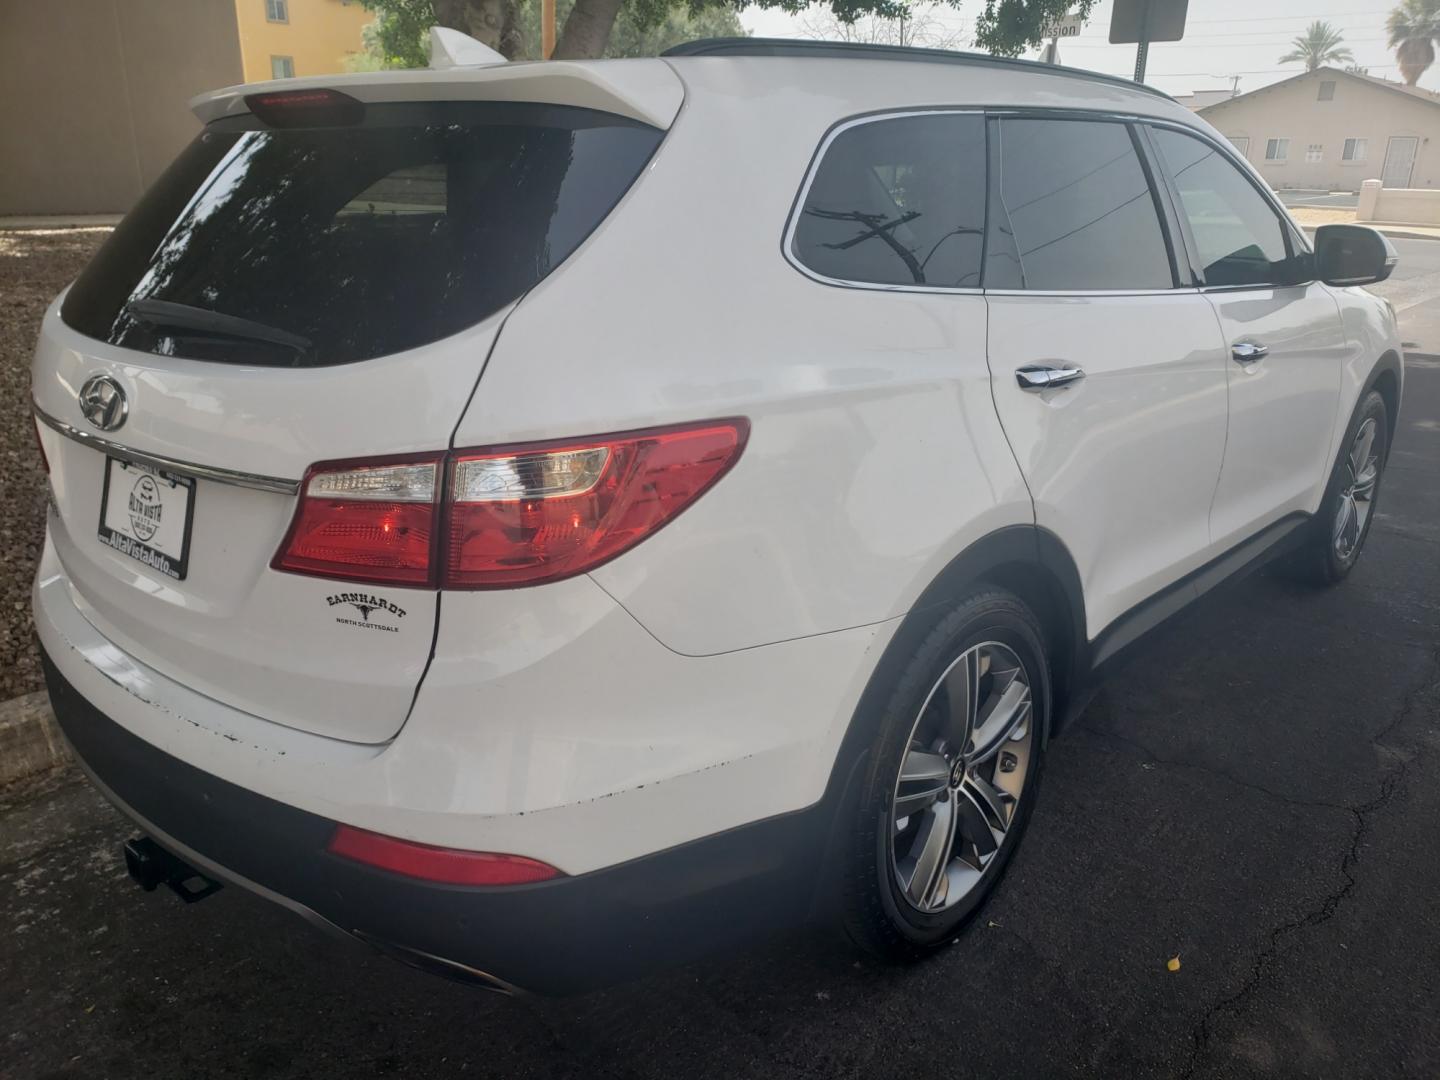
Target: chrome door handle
{"x":1042,"y":377}
{"x":1247,"y":352}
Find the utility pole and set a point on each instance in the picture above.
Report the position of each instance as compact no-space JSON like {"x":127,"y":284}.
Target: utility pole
{"x":547,"y":29}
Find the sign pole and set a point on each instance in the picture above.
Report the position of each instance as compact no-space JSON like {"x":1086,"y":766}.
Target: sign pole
{"x":1142,"y":47}
{"x":547,"y":28}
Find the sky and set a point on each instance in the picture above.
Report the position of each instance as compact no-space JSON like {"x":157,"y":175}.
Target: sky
{"x":1223,"y":38}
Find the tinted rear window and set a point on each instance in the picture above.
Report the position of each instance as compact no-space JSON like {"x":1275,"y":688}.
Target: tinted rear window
{"x":899,"y":202}
{"x":327,"y":245}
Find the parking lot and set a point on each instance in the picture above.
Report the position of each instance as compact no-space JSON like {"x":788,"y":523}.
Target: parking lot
{"x":1256,"y":792}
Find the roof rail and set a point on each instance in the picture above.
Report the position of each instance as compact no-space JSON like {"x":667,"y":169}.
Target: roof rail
{"x":794,"y":47}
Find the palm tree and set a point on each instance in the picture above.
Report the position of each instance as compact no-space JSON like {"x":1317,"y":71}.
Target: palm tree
{"x":1414,"y":26}
{"x":1319,"y":45}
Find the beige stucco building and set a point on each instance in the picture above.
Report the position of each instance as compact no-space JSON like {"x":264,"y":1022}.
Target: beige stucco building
{"x":1331,"y":129}
{"x":96,"y":91}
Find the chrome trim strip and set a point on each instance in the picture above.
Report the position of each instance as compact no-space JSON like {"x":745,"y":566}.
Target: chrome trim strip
{"x":1226,"y":150}
{"x":168,"y":464}
{"x":1041,"y":294}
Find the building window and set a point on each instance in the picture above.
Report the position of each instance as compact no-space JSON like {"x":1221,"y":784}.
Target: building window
{"x":1314,"y":153}
{"x":277,"y":10}
{"x":282,"y":67}
{"x":1241,"y":144}
{"x":1354,"y":150}
{"x":1277,"y":149}
{"x":1327,"y":91}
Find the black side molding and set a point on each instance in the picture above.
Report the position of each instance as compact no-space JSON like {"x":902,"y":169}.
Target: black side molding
{"x":1265,"y":545}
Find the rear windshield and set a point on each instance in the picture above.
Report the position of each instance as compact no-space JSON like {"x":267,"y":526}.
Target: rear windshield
{"x":324,"y":245}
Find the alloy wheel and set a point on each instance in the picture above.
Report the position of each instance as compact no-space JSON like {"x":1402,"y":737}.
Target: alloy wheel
{"x":1357,"y":491}
{"x":961,"y":778}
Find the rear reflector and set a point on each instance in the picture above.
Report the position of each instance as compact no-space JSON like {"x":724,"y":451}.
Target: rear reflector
{"x":510,"y":516}
{"x":448,"y":866}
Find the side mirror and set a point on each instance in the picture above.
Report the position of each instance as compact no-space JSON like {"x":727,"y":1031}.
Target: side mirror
{"x":1352,"y":255}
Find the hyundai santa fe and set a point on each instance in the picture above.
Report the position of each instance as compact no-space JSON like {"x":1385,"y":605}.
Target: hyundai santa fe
{"x":546,"y":519}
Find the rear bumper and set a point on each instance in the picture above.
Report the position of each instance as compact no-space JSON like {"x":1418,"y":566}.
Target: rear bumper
{"x":562,"y":936}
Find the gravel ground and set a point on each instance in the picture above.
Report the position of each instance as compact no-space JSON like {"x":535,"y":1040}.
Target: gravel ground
{"x":34,"y":266}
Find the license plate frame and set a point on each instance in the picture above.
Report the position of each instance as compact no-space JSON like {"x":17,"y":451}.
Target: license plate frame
{"x":138,"y":525}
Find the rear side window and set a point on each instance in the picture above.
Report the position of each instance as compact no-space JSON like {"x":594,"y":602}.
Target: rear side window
{"x":1075,"y":210}
{"x":1239,"y":239}
{"x":898,"y":201}
{"x":324,"y":245}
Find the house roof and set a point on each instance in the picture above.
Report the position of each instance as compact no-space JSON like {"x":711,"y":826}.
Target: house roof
{"x":1383,"y":84}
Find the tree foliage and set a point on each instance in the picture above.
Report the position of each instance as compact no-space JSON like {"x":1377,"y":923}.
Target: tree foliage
{"x":631,"y":27}
{"x":1321,"y":44}
{"x":1414,"y":28}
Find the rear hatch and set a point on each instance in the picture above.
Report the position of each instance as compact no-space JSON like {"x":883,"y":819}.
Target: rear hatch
{"x":326,"y":285}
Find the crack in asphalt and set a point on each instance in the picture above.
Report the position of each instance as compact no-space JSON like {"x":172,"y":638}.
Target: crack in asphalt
{"x":1176,"y":763}
{"x":1390,"y":783}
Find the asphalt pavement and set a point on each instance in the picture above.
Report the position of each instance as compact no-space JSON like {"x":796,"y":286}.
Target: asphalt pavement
{"x":1256,"y":792}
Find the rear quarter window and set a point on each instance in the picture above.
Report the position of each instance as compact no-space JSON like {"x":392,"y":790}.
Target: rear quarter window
{"x":326,"y":245}
{"x":897,"y":201}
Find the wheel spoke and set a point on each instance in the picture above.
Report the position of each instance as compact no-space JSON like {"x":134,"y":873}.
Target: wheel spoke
{"x":1001,"y":717}
{"x":1343,"y":520}
{"x":923,"y":776}
{"x":930,"y":853}
{"x":995,"y":804}
{"x":1360,"y":449}
{"x":962,"y":699}
{"x":974,"y":826}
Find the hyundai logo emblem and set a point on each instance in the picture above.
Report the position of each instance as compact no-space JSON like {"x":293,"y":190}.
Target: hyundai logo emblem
{"x":103,"y":402}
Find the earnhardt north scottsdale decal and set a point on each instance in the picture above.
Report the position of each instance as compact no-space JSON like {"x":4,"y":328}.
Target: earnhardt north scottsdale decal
{"x":376,"y":613}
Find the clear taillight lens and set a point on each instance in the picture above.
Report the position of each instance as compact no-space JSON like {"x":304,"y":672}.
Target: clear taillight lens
{"x":513,"y":516}
{"x":366,"y":522}
{"x":530,"y":514}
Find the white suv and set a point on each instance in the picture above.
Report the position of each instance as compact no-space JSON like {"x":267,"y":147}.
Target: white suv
{"x":546,"y":518}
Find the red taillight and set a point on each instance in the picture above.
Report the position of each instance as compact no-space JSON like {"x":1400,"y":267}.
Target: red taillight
{"x":447,"y":866}
{"x":517,"y":515}
{"x":366,"y":521}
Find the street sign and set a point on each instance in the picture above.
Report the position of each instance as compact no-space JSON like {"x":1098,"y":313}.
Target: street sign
{"x":1067,"y":26}
{"x":1144,"y":21}
{"x":1165,"y":19}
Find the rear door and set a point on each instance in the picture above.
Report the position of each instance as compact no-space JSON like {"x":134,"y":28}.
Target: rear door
{"x":291,"y":292}
{"x":1283,"y":333}
{"x":1107,"y":372}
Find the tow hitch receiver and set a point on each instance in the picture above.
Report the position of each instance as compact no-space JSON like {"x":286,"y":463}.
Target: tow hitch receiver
{"x":150,"y":865}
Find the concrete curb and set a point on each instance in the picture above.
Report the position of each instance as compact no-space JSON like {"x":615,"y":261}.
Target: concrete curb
{"x":60,"y":221}
{"x":30,"y":740}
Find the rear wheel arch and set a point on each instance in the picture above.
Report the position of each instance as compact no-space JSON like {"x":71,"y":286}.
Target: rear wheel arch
{"x":1025,"y":560}
{"x":1031,"y":562}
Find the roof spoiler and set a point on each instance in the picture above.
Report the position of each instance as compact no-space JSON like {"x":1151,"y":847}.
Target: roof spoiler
{"x":450,"y":48}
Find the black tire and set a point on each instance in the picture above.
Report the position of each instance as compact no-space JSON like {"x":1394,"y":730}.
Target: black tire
{"x":877,"y":915}
{"x":1320,"y":561}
